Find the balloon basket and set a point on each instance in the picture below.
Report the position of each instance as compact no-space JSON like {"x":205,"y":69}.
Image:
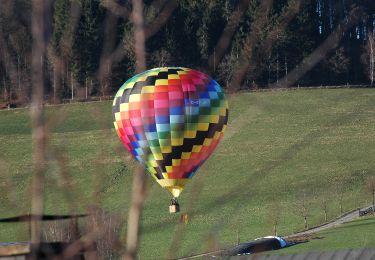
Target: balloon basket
{"x":174,"y":207}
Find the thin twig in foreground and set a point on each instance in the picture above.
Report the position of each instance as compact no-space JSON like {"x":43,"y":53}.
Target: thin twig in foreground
{"x":38,"y":130}
{"x":139,"y":177}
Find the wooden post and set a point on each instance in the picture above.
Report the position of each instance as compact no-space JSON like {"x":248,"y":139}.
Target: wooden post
{"x":72,"y":85}
{"x":286,"y":71}
{"x":54,"y":84}
{"x":86,"y":87}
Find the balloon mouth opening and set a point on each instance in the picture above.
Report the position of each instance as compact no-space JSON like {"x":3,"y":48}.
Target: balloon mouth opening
{"x":175,"y":191}
{"x":174,"y":186}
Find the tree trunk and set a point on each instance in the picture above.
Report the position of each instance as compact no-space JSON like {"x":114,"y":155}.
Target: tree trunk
{"x":86,"y":87}
{"x":370,"y":46}
{"x":71,"y":78}
{"x":277,"y":69}
{"x":269,"y":73}
{"x":139,"y":177}
{"x":21,"y":94}
{"x":286,"y":71}
{"x":5,"y":90}
{"x":371,"y":59}
{"x":54,"y":83}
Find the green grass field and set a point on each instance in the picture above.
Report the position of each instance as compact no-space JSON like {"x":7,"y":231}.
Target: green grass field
{"x":355,"y":234}
{"x":279,"y":147}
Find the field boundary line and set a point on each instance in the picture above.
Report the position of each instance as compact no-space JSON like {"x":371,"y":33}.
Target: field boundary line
{"x":242,"y":91}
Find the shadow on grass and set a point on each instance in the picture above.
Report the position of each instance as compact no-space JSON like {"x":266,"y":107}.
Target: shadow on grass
{"x":261,"y":174}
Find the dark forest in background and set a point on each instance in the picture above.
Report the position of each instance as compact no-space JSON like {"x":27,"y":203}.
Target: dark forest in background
{"x":85,"y":33}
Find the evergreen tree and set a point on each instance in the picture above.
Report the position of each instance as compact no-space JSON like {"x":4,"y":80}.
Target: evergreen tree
{"x":60,"y":52}
{"x":87,"y":44}
{"x":60,"y":25}
{"x":15,"y":48}
{"x":188,"y":38}
{"x":303,"y":36}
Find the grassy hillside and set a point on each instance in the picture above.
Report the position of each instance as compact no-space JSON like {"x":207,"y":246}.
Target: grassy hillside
{"x":354,"y":234}
{"x":281,"y":149}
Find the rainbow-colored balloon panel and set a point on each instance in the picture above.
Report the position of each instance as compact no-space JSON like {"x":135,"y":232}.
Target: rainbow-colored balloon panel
{"x":170,"y":119}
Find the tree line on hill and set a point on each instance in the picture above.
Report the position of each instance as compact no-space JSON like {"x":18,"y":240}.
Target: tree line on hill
{"x":267,"y":43}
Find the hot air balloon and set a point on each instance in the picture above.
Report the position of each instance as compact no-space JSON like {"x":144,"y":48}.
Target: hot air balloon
{"x":170,"y":119}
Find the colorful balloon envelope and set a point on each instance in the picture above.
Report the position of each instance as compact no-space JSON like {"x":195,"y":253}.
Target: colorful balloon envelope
{"x":171,"y":120}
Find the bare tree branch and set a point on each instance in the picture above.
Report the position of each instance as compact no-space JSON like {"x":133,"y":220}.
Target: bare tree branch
{"x":247,"y":52}
{"x":59,"y":60}
{"x":248,"y":59}
{"x":282,"y":22}
{"x":8,"y":63}
{"x":139,"y":35}
{"x":181,"y":227}
{"x":118,"y":53}
{"x":368,"y":59}
{"x":139,"y":176}
{"x":135,"y":212}
{"x":116,"y":8}
{"x":67,"y":39}
{"x":229,"y":30}
{"x":161,"y":19}
{"x":105,"y":64}
{"x":319,"y":53}
{"x":38,"y":130}
{"x":110,"y":55}
{"x":156,"y":5}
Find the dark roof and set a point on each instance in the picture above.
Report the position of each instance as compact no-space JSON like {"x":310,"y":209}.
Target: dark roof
{"x":30,"y":217}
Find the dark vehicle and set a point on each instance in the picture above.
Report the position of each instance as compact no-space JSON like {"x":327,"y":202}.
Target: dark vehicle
{"x":258,"y":245}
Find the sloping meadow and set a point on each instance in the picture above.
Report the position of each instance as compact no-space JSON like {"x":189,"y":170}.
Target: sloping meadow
{"x":282,"y":153}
